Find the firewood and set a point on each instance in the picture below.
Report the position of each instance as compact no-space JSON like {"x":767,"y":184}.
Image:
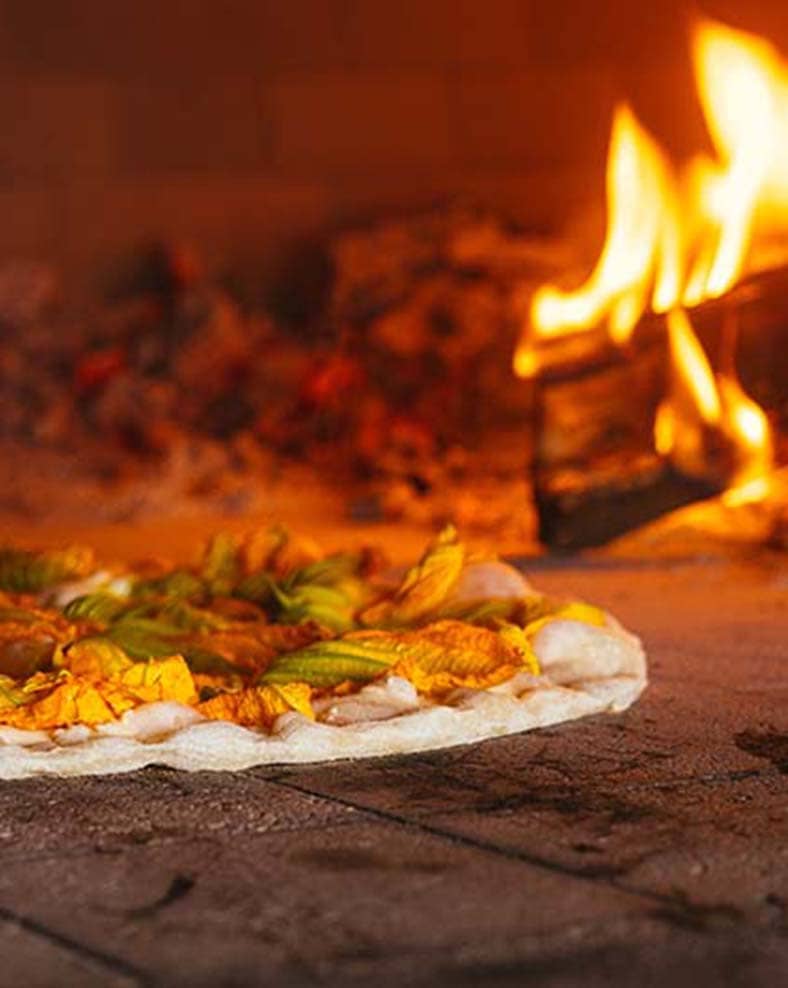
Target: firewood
{"x":595,"y":472}
{"x":597,"y":406}
{"x":750,"y":324}
{"x":587,"y":506}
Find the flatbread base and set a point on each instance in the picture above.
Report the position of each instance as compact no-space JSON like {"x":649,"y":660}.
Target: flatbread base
{"x":608,"y":676}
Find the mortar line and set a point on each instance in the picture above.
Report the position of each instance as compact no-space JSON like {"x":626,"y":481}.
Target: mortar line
{"x":465,"y":841}
{"x":83,"y":951}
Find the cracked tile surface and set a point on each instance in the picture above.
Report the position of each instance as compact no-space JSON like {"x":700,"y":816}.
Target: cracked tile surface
{"x":616,"y":851}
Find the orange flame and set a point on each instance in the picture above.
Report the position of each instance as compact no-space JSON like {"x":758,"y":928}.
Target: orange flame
{"x":673,"y":242}
{"x":749,"y":428}
{"x":693,"y":367}
{"x":718,"y":401}
{"x":740,"y":79}
{"x":641,"y":245}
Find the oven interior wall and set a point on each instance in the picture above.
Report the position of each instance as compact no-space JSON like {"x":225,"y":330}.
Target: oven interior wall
{"x":245,"y":125}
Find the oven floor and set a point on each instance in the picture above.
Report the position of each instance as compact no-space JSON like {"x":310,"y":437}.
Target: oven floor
{"x":642,"y":849}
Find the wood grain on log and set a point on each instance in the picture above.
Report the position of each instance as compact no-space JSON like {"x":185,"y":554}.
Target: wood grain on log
{"x":595,"y":471}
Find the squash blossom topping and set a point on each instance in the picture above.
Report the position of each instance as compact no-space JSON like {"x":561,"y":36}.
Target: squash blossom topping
{"x":260,"y":628}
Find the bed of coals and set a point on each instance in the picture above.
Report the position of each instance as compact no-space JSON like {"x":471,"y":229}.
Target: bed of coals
{"x":382,"y":360}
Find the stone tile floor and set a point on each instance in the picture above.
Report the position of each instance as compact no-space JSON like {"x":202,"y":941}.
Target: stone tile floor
{"x":643,"y":849}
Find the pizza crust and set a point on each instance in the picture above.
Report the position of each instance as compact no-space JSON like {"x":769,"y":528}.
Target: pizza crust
{"x":585,"y":670}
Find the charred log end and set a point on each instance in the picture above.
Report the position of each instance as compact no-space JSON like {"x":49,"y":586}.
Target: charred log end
{"x":579,"y":509}
{"x":595,"y":472}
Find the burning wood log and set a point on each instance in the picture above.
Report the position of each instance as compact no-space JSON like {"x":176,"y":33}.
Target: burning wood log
{"x":754,"y":314}
{"x":677,"y":245}
{"x":582,"y":508}
{"x":595,"y":471}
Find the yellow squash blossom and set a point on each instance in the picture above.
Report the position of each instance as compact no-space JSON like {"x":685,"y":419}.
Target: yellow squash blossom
{"x":259,"y":706}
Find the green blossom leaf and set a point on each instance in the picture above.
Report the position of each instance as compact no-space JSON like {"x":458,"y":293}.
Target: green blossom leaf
{"x":424,"y":588}
{"x":23,"y":571}
{"x":329,"y":663}
{"x":100,"y":607}
{"x":220,"y":564}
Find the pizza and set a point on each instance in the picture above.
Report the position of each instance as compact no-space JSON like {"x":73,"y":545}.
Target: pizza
{"x":269,"y":651}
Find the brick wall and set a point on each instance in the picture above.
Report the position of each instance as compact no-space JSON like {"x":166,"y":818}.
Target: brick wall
{"x":245,"y":124}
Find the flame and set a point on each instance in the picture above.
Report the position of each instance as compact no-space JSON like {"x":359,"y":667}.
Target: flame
{"x":749,"y":428}
{"x":693,"y":367}
{"x":715,"y":401}
{"x":665,"y":429}
{"x":641,"y":245}
{"x":739,"y":80}
{"x":674,"y":241}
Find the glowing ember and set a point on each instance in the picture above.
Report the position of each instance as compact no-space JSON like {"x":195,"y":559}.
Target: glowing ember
{"x":674,"y":242}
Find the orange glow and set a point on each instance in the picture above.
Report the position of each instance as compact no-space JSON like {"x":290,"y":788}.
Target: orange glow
{"x":750,"y":430}
{"x":526,"y":363}
{"x":675,"y":241}
{"x":716,"y":401}
{"x":665,"y":429}
{"x":693,"y":367}
{"x":740,"y":81}
{"x":641,"y":248}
